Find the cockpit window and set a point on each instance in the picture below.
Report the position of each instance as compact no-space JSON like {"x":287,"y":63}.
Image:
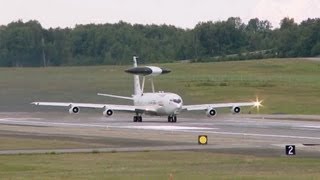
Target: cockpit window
{"x":178,"y":101}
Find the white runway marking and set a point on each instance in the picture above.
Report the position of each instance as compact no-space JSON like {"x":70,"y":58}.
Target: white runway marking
{"x":164,"y":128}
{"x":167,"y":128}
{"x":307,"y":127}
{"x":317,"y":127}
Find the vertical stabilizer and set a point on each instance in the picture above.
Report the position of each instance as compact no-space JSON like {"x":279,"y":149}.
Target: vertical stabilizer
{"x":136,"y":80}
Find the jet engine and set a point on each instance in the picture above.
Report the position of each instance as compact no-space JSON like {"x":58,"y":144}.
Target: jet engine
{"x":74,"y":110}
{"x":235,"y":110}
{"x":211,"y":112}
{"x":107,"y":112}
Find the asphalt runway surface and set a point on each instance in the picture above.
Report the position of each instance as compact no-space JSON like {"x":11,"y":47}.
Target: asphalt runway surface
{"x":264,"y":135}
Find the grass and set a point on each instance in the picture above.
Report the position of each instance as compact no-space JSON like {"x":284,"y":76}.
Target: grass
{"x":288,"y":86}
{"x":156,"y":165}
{"x":8,"y":143}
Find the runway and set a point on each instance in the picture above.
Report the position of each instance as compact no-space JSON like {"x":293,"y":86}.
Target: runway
{"x":249,"y":134}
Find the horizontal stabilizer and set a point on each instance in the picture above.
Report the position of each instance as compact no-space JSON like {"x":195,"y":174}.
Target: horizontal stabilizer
{"x":115,"y":96}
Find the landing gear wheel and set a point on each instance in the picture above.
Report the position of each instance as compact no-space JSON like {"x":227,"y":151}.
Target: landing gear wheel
{"x":137,"y":119}
{"x":172,"y":119}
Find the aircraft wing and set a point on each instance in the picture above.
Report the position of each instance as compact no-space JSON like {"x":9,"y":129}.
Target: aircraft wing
{"x":219,"y":105}
{"x":128,"y":108}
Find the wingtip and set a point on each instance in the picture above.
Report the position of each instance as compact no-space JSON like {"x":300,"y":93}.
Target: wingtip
{"x":258,"y":103}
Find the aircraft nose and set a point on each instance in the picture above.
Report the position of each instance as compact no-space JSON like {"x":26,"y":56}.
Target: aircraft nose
{"x":179,"y":105}
{"x":178,"y":108}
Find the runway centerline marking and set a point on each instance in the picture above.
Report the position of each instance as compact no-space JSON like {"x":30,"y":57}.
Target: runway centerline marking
{"x":164,"y":128}
{"x":310,"y":126}
{"x":167,"y":128}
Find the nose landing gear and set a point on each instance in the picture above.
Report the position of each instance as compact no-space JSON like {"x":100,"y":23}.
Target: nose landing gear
{"x":172,"y":118}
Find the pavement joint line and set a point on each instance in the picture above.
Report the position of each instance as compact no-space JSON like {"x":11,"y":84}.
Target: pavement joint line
{"x":122,"y":149}
{"x":260,"y":135}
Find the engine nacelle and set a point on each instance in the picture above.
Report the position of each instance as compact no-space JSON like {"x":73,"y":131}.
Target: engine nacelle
{"x":107,"y":112}
{"x":211,"y":112}
{"x":235,"y":110}
{"x":74,"y":110}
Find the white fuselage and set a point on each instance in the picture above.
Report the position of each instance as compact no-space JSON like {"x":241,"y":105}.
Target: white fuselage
{"x":165,"y":103}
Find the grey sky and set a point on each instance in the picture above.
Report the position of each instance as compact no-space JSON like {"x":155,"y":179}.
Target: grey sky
{"x":181,"y":13}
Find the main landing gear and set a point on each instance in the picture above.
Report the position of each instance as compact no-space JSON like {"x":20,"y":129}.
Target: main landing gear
{"x":172,"y":118}
{"x":137,"y":118}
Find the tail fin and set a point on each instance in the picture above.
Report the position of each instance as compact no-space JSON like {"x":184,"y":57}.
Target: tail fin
{"x":136,"y":80}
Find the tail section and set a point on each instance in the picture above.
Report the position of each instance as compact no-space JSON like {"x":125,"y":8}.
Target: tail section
{"x":136,"y":80}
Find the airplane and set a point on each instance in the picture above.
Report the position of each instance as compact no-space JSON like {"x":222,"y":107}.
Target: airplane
{"x":151,"y":103}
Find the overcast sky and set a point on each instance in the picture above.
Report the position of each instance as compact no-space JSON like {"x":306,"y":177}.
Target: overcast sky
{"x":181,"y":13}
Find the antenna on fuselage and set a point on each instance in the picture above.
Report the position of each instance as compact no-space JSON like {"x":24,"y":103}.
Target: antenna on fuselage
{"x":143,"y":82}
{"x":152,"y":85}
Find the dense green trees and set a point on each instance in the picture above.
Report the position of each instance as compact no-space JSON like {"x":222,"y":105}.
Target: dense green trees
{"x":28,"y":44}
{"x":20,"y":44}
{"x":221,"y":38}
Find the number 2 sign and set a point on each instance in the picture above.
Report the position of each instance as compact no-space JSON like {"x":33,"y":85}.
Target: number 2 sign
{"x":290,"y":150}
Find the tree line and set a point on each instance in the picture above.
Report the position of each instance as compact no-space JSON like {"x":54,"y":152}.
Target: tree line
{"x":29,"y":44}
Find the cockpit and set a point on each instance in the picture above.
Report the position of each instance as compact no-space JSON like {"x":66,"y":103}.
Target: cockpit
{"x":178,"y":101}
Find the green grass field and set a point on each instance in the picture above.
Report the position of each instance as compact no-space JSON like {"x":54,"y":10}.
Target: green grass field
{"x":9,"y":143}
{"x":156,"y":165}
{"x":289,"y":86}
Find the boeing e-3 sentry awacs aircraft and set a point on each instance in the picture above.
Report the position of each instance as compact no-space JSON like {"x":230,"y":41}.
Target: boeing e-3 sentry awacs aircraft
{"x":153,"y":103}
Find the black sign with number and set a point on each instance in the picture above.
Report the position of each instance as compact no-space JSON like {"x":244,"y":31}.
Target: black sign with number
{"x":290,"y":150}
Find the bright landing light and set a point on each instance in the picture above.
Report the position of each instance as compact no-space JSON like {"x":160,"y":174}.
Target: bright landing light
{"x":258,"y":103}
